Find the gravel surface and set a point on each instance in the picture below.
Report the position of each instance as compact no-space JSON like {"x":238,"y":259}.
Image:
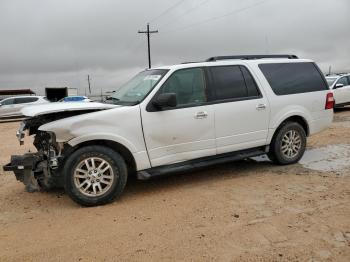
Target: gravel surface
{"x":242,"y":211}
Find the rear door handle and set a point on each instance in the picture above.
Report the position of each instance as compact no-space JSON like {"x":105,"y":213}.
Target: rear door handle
{"x":261,"y":107}
{"x":201,"y":115}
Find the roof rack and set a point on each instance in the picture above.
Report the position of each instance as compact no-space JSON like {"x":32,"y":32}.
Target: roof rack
{"x":249,"y":57}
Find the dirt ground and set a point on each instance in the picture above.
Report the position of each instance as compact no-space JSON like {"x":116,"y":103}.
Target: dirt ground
{"x":242,"y":211}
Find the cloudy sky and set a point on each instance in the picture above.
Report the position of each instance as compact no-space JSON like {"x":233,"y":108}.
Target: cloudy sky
{"x":59,"y":42}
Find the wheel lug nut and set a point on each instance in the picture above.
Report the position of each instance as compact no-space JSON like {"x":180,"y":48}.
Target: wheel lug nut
{"x":97,"y":180}
{"x":95,"y":171}
{"x":99,"y":175}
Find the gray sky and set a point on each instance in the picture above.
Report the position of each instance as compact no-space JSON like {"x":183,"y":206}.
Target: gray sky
{"x":58,"y":42}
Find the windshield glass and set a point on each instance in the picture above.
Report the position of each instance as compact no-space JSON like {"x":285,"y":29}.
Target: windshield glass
{"x":136,"y":89}
{"x":330,"y":80}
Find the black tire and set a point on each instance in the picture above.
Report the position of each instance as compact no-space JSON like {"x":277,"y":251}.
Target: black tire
{"x":276,"y":154}
{"x":117,"y":172}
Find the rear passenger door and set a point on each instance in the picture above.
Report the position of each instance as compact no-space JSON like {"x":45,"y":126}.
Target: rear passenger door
{"x":241,"y":110}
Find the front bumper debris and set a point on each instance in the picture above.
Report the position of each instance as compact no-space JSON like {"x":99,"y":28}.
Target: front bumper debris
{"x":24,"y":167}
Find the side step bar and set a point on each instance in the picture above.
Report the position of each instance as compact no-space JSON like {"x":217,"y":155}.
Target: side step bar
{"x":199,"y":163}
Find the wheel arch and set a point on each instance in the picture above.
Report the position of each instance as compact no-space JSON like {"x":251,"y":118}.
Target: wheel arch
{"x":117,"y":147}
{"x":295,"y":118}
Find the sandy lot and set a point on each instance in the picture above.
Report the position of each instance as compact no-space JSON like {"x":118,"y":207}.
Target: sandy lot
{"x":242,"y":211}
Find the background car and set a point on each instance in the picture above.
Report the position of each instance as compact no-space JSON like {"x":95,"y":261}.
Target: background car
{"x":340,"y":84}
{"x":11,"y":106}
{"x":75,"y":99}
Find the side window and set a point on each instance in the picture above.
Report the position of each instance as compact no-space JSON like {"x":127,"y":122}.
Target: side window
{"x":343,"y":81}
{"x":349,"y":80}
{"x":228,"y":82}
{"x":24,"y":100}
{"x":188,"y":85}
{"x":252,"y":87}
{"x":8,"y":102}
{"x":293,"y":78}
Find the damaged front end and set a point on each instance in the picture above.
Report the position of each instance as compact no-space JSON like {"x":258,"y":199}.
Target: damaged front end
{"x":37,"y":170}
{"x":41,"y":169}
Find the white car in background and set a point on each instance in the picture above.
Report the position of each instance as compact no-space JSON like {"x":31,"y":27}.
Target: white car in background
{"x":340,"y":84}
{"x":11,"y":106}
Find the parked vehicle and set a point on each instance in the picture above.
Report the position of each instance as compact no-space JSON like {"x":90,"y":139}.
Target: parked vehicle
{"x":175,"y":118}
{"x":75,"y":99}
{"x":340,"y":84}
{"x":11,"y":106}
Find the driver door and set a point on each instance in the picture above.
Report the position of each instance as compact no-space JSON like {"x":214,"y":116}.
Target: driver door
{"x":183,"y":132}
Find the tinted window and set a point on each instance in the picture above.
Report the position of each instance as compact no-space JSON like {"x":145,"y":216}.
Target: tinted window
{"x":293,"y":78}
{"x":188,"y":85}
{"x":23,"y":100}
{"x":7,"y":101}
{"x":343,"y":81}
{"x":228,"y":82}
{"x":250,"y":82}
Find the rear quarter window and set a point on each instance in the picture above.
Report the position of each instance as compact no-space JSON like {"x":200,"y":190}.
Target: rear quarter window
{"x":293,"y":78}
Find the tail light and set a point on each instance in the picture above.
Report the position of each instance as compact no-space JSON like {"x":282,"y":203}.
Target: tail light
{"x":330,"y":102}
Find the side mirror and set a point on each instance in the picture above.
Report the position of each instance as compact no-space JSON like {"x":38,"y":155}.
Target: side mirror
{"x":338,"y":86}
{"x":165,"y":100}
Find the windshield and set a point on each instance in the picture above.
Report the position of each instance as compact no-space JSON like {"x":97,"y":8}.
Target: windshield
{"x":331,"y":80}
{"x":136,"y":89}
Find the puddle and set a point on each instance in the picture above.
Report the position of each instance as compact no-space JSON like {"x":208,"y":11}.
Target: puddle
{"x":333,"y":158}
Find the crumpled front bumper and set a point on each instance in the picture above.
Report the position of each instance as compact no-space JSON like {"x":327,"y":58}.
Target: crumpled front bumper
{"x":24,"y":167}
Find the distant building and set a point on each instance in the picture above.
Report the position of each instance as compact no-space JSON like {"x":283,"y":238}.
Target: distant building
{"x":15,"y":92}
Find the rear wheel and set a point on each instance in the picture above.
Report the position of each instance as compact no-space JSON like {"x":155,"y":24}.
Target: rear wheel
{"x":288,"y":145}
{"x":95,"y":175}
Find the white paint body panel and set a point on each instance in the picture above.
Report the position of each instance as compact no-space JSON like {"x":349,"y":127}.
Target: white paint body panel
{"x":176,"y":135}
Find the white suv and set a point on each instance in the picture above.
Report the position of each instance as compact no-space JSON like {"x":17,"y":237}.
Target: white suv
{"x":175,"y":118}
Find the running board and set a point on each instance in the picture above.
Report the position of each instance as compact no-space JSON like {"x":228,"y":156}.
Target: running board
{"x":199,"y":163}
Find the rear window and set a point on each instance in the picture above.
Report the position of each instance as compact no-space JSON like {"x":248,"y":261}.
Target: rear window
{"x":293,"y":78}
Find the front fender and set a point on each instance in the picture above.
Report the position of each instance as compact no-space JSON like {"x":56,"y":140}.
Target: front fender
{"x":103,"y":136}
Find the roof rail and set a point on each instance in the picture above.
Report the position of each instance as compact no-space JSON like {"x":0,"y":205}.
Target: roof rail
{"x":249,"y":57}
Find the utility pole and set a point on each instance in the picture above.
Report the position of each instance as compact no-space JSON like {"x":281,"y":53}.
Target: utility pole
{"x":148,"y":33}
{"x":89,"y":84}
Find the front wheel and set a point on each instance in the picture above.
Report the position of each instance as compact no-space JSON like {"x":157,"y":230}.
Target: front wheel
{"x":288,"y":145}
{"x":95,"y":175}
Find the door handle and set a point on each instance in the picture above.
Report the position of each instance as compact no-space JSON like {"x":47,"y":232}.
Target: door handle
{"x":201,"y":115}
{"x":261,"y":107}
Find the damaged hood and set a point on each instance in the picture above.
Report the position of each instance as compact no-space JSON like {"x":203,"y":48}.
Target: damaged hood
{"x":43,"y":109}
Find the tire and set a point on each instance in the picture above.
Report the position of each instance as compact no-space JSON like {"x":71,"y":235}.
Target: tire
{"x":95,"y":175}
{"x":284,"y":149}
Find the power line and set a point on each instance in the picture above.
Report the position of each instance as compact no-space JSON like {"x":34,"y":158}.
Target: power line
{"x":185,"y":13}
{"x":148,"y":33}
{"x":167,"y":10}
{"x":217,"y":17}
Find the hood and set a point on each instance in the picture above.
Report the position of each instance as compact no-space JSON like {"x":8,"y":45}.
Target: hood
{"x":43,"y":109}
